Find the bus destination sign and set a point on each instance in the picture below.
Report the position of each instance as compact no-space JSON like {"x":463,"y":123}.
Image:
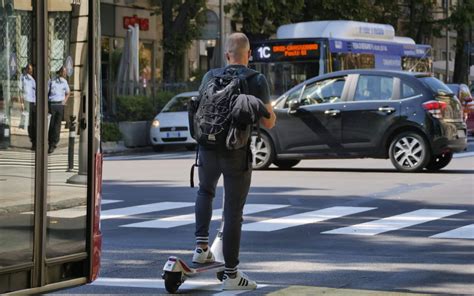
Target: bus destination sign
{"x":282,"y":50}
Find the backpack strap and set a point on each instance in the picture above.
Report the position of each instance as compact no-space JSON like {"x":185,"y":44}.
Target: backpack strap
{"x":191,"y":177}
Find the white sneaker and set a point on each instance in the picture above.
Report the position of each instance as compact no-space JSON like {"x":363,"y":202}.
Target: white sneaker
{"x":201,"y":256}
{"x":240,"y":282}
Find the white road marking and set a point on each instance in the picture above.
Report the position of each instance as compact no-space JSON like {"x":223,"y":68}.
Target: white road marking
{"x":463,"y":154}
{"x":394,"y":222}
{"x":465,"y":232}
{"x":189,"y":219}
{"x":109,"y":201}
{"x":142,"y":209}
{"x":303,"y":218}
{"x":158,"y":283}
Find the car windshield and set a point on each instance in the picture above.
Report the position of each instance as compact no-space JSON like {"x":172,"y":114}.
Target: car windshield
{"x":436,"y":85}
{"x":177,"y":104}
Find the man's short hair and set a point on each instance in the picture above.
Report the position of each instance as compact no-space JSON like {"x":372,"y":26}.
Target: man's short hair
{"x":237,"y":44}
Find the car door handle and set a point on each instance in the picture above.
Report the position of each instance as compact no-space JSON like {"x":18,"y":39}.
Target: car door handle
{"x":332,"y":112}
{"x":387,"y":109}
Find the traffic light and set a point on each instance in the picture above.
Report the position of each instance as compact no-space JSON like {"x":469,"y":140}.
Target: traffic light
{"x":6,"y":7}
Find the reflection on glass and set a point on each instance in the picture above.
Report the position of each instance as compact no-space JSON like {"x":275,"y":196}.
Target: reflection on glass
{"x":17,"y":134}
{"x":67,"y":133}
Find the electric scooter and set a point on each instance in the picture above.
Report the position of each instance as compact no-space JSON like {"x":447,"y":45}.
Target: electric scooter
{"x":176,"y":270}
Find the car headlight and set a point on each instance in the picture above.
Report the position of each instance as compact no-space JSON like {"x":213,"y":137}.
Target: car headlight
{"x":155,"y":123}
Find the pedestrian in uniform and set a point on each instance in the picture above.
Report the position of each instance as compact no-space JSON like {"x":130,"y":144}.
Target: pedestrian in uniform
{"x":28,"y":87}
{"x":237,"y":176}
{"x":58,"y":93}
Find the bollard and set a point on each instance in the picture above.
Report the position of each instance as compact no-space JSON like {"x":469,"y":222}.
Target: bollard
{"x":4,"y":134}
{"x":72,"y":138}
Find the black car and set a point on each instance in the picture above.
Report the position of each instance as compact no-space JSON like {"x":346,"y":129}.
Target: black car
{"x":412,"y":118}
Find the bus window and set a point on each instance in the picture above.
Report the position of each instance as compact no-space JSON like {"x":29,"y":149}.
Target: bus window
{"x":347,"y":61}
{"x":416,"y":64}
{"x":283,"y":76}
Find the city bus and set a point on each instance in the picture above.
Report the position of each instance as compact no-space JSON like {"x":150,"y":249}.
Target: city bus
{"x":304,"y":50}
{"x":50,"y":234}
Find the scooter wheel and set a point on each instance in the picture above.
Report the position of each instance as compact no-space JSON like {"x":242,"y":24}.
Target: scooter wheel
{"x":172,"y":281}
{"x":220,"y":275}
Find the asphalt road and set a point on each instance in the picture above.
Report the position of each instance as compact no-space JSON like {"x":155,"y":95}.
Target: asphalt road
{"x":327,"y":226}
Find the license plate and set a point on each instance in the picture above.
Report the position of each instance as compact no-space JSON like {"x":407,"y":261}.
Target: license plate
{"x":461,"y":133}
{"x":173,"y":135}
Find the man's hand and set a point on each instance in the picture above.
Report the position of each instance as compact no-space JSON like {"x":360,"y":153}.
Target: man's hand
{"x":269,"y":122}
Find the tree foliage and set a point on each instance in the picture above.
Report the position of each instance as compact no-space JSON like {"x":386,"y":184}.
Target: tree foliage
{"x":260,"y":19}
{"x":461,"y":20}
{"x":180,"y":28}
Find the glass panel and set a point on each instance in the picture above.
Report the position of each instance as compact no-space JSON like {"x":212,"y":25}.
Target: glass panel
{"x":67,"y":132}
{"x":374,"y":88}
{"x":326,"y":91}
{"x":283,"y":76}
{"x":17,"y":133}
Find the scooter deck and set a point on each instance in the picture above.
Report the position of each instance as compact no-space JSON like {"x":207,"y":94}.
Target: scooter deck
{"x":200,"y":267}
{"x":193,"y":268}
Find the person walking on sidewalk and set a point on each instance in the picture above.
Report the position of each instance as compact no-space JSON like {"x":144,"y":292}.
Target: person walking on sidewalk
{"x":58,"y":94}
{"x":214,"y":162}
{"x":28,"y":88}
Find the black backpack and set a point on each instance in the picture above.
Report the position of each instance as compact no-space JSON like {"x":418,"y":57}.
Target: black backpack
{"x":209,"y":114}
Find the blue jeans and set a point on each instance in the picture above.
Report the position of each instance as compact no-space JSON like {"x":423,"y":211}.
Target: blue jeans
{"x":234,"y":166}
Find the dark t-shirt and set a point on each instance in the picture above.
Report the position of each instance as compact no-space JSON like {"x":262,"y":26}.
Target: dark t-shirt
{"x":257,"y":84}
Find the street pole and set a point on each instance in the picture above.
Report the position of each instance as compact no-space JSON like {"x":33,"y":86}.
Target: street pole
{"x":446,"y":3}
{"x":221,"y":33}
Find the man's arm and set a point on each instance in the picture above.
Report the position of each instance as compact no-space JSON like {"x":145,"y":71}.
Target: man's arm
{"x":269,"y":122}
{"x":264,"y":95}
{"x":68,"y":91}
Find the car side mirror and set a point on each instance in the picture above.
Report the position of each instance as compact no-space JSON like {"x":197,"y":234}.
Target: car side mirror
{"x":293,"y":106}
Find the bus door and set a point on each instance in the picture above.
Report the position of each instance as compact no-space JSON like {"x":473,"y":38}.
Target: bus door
{"x":49,"y":160}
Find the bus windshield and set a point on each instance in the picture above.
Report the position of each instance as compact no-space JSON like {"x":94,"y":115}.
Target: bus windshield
{"x":285,"y":63}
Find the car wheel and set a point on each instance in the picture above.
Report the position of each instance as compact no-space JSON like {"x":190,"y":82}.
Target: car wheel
{"x":286,"y":163}
{"x":262,"y":151}
{"x":409,"y":152}
{"x":439,"y":161}
{"x":158,"y":148}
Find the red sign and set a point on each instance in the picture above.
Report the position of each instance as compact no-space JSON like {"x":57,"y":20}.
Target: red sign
{"x":143,"y":23}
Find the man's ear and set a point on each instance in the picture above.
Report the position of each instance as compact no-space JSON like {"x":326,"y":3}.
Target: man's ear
{"x":227,"y":57}
{"x":249,"y":53}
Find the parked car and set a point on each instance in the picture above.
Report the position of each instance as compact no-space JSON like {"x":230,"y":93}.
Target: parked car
{"x":171,"y":125}
{"x":465,"y":96}
{"x":412,"y":118}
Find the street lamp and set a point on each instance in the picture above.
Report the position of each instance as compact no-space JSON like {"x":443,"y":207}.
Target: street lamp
{"x":446,"y":11}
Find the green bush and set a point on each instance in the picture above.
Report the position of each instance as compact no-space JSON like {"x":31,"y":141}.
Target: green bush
{"x":110,"y":132}
{"x":135,"y":108}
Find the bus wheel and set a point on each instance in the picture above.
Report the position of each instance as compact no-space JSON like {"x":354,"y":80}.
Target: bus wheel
{"x":172,"y":281}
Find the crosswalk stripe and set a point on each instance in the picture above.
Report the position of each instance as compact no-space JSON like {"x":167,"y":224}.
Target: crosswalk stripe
{"x":394,"y":222}
{"x":189,"y":219}
{"x":109,"y":201}
{"x":303,"y":218}
{"x":142,"y":209}
{"x":465,"y":232}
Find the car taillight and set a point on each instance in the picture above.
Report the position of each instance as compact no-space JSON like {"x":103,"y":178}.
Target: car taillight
{"x":435,"y":108}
